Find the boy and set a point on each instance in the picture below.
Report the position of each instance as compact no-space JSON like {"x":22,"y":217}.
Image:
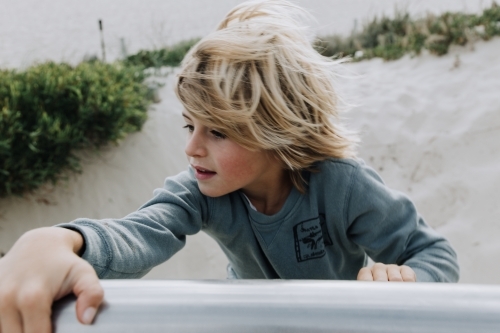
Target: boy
{"x":273,"y":178}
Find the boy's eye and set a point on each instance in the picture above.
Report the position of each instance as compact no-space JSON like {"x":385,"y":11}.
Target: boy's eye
{"x":190,"y":128}
{"x":218,"y":134}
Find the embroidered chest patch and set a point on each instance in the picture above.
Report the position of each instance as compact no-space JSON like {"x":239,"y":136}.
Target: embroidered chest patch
{"x":310,"y":239}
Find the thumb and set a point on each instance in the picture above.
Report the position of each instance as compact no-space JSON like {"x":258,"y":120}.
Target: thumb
{"x":89,"y":294}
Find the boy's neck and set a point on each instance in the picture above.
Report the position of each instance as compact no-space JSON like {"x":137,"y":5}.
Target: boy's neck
{"x":271,"y":199}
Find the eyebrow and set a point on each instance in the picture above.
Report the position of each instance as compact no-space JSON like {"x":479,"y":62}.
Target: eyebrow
{"x":185,"y":116}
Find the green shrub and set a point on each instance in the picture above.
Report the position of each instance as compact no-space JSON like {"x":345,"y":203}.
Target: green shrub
{"x":171,"y":56}
{"x":391,"y":38}
{"x":49,"y":110}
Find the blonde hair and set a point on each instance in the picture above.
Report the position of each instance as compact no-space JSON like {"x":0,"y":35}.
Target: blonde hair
{"x":259,"y":81}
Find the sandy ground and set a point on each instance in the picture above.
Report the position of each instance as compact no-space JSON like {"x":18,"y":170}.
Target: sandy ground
{"x":430,"y":126}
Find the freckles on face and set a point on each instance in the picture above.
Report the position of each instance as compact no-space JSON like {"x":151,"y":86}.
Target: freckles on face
{"x":236,"y":167}
{"x":240,"y":163}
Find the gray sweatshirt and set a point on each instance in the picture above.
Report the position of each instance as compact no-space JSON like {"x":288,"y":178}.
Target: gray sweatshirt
{"x":346,"y":215}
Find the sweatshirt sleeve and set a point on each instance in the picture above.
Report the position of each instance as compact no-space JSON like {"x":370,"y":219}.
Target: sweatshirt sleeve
{"x":387,"y":226}
{"x":129,"y":247}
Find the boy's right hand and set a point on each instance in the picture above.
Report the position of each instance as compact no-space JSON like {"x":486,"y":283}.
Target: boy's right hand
{"x":43,"y":266}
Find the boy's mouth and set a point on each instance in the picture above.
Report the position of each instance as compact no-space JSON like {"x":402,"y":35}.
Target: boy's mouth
{"x":202,"y":173}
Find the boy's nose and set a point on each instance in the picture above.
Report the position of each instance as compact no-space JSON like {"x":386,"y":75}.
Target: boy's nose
{"x":195,"y":146}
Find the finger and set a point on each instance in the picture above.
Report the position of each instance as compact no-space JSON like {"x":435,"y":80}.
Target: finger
{"x":37,"y":321}
{"x":89,"y":295}
{"x":11,"y":322}
{"x":365,"y":274}
{"x":379,"y":272}
{"x":408,"y":274}
{"x":394,"y":273}
{"x":36,"y":317}
{"x":35,"y":308}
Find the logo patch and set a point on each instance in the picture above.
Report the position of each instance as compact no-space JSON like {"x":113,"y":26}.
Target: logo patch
{"x":309,"y":242}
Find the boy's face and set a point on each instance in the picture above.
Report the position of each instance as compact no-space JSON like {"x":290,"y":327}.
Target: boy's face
{"x":222,"y":166}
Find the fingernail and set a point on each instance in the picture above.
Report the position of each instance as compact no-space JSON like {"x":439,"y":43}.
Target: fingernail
{"x":88,"y":315}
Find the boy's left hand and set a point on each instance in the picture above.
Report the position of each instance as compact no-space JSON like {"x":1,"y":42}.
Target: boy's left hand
{"x":382,"y":272}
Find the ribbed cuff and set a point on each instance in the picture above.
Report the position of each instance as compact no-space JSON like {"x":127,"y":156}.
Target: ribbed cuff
{"x":97,"y":251}
{"x":423,"y":275}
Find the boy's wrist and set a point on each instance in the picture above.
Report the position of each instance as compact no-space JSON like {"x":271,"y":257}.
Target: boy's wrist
{"x":77,"y":241}
{"x":70,"y":238}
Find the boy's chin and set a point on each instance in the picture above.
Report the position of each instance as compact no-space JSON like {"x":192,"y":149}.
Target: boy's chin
{"x":210,"y":191}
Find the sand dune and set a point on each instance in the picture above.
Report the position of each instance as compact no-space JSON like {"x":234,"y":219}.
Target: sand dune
{"x":430,"y":126}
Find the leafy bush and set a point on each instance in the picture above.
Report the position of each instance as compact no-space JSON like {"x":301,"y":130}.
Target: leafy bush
{"x":49,"y":110}
{"x":391,"y":38}
{"x":171,"y":56}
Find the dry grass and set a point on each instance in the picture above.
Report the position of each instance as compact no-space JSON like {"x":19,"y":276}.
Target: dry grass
{"x":391,"y":38}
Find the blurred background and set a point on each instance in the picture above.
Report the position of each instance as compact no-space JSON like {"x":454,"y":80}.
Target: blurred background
{"x":414,"y":116}
{"x":63,"y":30}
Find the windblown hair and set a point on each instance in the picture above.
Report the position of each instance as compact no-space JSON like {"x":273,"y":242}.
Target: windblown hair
{"x":259,"y":81}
